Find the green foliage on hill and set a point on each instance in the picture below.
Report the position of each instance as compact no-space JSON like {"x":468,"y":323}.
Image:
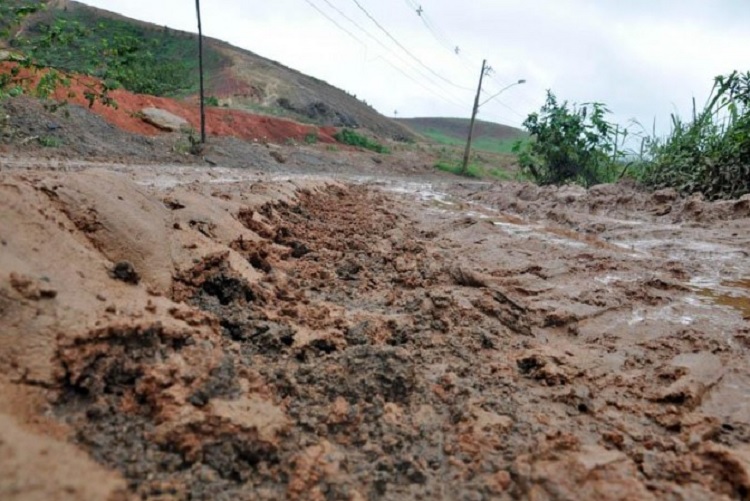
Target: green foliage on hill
{"x":12,"y":12}
{"x":159,"y":62}
{"x":348,"y":136}
{"x":489,"y":137}
{"x":488,"y":144}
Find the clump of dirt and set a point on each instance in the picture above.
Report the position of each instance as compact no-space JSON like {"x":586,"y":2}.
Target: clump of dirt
{"x":326,"y":341}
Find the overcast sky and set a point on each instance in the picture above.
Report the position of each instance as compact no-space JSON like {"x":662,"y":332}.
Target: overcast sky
{"x":644,"y":58}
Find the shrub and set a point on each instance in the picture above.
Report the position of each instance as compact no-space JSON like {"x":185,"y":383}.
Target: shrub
{"x":121,"y":53}
{"x":570,"y":144}
{"x":348,"y":136}
{"x":711,"y":153}
{"x":50,"y":141}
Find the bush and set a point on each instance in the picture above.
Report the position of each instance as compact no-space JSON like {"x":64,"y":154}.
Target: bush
{"x":570,"y":144}
{"x":711,"y":153}
{"x":121,"y":53}
{"x":50,"y":141}
{"x":348,"y":136}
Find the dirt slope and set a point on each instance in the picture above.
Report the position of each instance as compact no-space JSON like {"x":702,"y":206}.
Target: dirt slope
{"x":178,"y":335}
{"x":245,"y":80}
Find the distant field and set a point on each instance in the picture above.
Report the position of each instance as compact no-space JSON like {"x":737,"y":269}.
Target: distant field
{"x":488,"y":136}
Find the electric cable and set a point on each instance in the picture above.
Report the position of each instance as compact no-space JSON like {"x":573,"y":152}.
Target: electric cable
{"x":399,"y":70}
{"x":407,"y":51}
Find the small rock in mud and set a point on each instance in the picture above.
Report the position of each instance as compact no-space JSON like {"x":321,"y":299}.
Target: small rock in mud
{"x":30,"y":288}
{"x":125,"y":272}
{"x":349,"y":270}
{"x":278,"y":157}
{"x":299,"y":250}
{"x":542,"y":367}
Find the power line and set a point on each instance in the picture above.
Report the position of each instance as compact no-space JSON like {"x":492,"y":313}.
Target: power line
{"x":335,"y":22}
{"x":446,"y":97}
{"x":436,"y":33}
{"x":443,"y":97}
{"x":419,"y":61}
{"x":443,"y":39}
{"x":440,"y":36}
{"x":377,"y":40}
{"x":349,"y":33}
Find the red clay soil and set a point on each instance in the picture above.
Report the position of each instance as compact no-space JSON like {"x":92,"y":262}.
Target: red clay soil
{"x":219,"y":121}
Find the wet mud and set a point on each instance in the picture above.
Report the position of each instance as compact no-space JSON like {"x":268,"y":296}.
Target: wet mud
{"x":320,"y":340}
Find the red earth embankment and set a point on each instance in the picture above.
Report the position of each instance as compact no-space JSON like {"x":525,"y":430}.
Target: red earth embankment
{"x":219,"y":121}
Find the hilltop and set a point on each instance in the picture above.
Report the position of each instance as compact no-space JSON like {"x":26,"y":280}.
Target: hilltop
{"x":157,"y":60}
{"x":488,"y":136}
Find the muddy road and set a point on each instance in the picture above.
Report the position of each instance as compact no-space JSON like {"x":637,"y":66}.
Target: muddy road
{"x":188,"y":333}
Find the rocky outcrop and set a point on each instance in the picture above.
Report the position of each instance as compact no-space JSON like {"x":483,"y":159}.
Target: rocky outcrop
{"x":164,"y":120}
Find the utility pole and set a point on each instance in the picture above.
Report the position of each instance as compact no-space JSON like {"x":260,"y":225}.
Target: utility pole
{"x":465,"y":166}
{"x":200,"y":69}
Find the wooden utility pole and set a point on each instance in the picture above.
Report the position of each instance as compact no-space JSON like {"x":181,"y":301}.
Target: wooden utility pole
{"x":200,"y":69}
{"x":465,"y":166}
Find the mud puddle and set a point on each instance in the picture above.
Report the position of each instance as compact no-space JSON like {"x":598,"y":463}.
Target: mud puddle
{"x":731,"y":294}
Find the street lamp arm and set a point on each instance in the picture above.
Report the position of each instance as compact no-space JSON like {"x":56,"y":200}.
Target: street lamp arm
{"x":522,"y":81}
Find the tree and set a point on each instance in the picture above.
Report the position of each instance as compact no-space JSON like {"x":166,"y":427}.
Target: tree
{"x":570,"y":144}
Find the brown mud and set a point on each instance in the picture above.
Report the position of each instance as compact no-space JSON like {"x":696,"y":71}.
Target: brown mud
{"x":211,"y":334}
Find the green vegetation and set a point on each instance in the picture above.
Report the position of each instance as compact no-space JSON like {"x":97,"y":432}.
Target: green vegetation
{"x":13,"y":12}
{"x":311,"y":138}
{"x":711,"y":153}
{"x":348,"y":136}
{"x":18,"y":79}
{"x":50,"y":141}
{"x":487,"y":144}
{"x":571,"y":144}
{"x":474,"y":170}
{"x":120,"y":53}
{"x":212,"y":101}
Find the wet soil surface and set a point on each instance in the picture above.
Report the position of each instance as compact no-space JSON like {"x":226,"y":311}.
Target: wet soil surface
{"x":409,"y":339}
{"x":34,"y":134}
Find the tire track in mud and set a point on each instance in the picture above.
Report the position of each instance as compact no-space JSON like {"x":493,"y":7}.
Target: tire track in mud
{"x":379,"y":352}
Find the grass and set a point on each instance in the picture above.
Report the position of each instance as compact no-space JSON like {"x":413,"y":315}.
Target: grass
{"x":709,"y":154}
{"x":487,"y":144}
{"x":13,"y":11}
{"x":348,"y":136}
{"x":159,"y":62}
{"x":475,"y":170}
{"x":50,"y":141}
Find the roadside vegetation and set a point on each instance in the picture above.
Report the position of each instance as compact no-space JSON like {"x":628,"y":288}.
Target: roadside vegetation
{"x":475,"y":170}
{"x":482,"y":164}
{"x":707,"y":154}
{"x":348,"y":136}
{"x":487,"y":144}
{"x":710,"y":153}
